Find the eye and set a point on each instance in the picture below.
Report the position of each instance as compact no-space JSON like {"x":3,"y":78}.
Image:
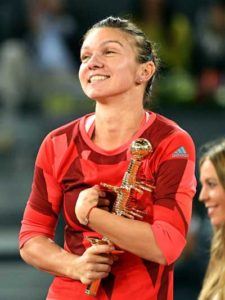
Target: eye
{"x":211,"y":184}
{"x":84,"y":57}
{"x":109,"y":52}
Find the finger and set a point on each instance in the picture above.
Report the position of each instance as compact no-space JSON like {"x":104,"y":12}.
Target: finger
{"x":106,"y":208}
{"x":97,"y":193}
{"x":93,"y":261}
{"x":115,"y":258}
{"x":103,"y":202}
{"x":96,"y":187}
{"x":93,"y":275}
{"x":117,"y":251}
{"x":101,"y":193}
{"x":100,"y":249}
{"x":102,"y":268}
{"x":103,"y":259}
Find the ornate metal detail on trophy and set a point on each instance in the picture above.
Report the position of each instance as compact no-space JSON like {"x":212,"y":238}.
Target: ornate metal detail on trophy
{"x":140,"y":149}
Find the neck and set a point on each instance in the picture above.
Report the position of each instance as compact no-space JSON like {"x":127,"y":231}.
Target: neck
{"x":114,"y":125}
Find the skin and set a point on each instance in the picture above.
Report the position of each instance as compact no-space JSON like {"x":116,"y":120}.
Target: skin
{"x":212,"y":193}
{"x":45,"y":255}
{"x":111,"y":54}
{"x":119,"y":93}
{"x":110,"y":75}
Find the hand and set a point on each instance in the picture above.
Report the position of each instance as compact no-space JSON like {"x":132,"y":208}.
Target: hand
{"x":95,"y":263}
{"x":87,"y":199}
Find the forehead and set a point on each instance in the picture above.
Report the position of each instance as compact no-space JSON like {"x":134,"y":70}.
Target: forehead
{"x":208,"y":170}
{"x":101,"y":36}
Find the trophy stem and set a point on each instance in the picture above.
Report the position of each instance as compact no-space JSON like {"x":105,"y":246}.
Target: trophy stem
{"x":140,"y":149}
{"x":92,"y":288}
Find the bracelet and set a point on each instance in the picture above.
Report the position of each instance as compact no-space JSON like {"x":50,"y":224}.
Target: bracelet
{"x":86,"y":219}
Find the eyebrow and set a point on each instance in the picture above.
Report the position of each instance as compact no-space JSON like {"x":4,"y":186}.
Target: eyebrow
{"x":106,"y":42}
{"x":113,"y":41}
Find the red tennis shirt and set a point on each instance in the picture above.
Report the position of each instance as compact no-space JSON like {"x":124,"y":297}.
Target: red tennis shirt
{"x":68,"y":162}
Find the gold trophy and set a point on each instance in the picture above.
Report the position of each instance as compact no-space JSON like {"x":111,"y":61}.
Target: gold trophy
{"x":140,"y":149}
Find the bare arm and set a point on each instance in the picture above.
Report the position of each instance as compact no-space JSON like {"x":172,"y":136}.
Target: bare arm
{"x":42,"y":253}
{"x":131,"y":235}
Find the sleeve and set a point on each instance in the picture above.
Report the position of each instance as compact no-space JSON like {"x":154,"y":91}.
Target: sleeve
{"x":174,"y":192}
{"x":44,"y":203}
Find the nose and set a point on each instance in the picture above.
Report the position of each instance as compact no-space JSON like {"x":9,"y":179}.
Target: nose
{"x":95,"y":62}
{"x":203,"y":196}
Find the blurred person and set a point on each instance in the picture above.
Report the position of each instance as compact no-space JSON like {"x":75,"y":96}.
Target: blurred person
{"x":13,"y":85}
{"x":210,"y":36}
{"x":13,"y":89}
{"x":118,"y":65}
{"x":13,"y":25}
{"x":86,"y":12}
{"x":209,"y":50}
{"x":172,"y":33}
{"x":13,"y":69}
{"x":53,"y":86}
{"x":212,"y":194}
{"x":193,"y":260}
{"x":170,"y":29}
{"x":50,"y":27}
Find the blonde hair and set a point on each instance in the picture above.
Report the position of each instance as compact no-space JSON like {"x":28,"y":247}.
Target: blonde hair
{"x":214,"y":281}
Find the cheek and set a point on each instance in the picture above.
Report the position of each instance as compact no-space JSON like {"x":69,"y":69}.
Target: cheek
{"x":219,"y":217}
{"x":127,"y":67}
{"x":223,"y":209}
{"x":81,"y":74}
{"x":218,"y":220}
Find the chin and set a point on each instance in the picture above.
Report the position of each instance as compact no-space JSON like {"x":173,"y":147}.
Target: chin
{"x":94,"y":96}
{"x":217,"y":222}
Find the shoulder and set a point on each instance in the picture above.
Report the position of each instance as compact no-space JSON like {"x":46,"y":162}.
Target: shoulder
{"x":59,"y":139}
{"x":164,"y":130}
{"x":56,"y":145}
{"x":168,"y":125}
{"x":169,"y":141}
{"x":68,"y":129}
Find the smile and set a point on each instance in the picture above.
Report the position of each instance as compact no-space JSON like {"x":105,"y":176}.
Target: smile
{"x":211,"y":209}
{"x":96,"y":78}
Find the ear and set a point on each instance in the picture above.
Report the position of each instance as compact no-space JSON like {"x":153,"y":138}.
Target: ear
{"x":146,"y":71}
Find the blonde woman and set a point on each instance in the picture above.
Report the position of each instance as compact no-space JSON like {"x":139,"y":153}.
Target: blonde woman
{"x":212,"y":177}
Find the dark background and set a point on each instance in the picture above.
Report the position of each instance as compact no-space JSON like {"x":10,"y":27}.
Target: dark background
{"x":39,"y":90}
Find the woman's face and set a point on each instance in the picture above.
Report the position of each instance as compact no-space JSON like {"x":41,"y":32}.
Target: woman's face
{"x":108,"y":64}
{"x":212,"y":193}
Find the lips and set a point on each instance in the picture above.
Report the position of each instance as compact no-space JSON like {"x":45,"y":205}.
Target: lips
{"x":97,"y":78}
{"x":211,"y":209}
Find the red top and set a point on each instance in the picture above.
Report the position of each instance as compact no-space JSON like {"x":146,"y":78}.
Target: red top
{"x":69,"y":162}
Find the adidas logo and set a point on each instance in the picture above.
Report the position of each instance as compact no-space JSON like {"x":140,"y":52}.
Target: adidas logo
{"x":180,"y":152}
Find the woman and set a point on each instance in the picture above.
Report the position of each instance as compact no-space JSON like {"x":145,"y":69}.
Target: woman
{"x":117,"y":69}
{"x":212,"y":178}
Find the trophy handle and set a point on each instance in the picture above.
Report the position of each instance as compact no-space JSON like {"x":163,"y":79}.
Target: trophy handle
{"x":92,"y":288}
{"x":139,"y":149}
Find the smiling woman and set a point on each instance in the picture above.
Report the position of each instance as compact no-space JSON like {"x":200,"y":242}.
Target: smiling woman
{"x":86,"y":166}
{"x":212,"y":178}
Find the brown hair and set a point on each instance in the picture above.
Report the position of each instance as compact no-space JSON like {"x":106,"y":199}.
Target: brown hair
{"x":145,"y":49}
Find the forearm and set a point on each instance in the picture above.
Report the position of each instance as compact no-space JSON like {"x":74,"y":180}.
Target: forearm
{"x":132,"y":235}
{"x":43,"y":254}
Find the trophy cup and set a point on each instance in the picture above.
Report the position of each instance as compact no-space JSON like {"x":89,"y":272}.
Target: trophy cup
{"x":140,"y":149}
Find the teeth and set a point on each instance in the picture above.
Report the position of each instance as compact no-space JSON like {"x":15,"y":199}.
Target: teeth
{"x":97,"y":78}
{"x":211,"y":206}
